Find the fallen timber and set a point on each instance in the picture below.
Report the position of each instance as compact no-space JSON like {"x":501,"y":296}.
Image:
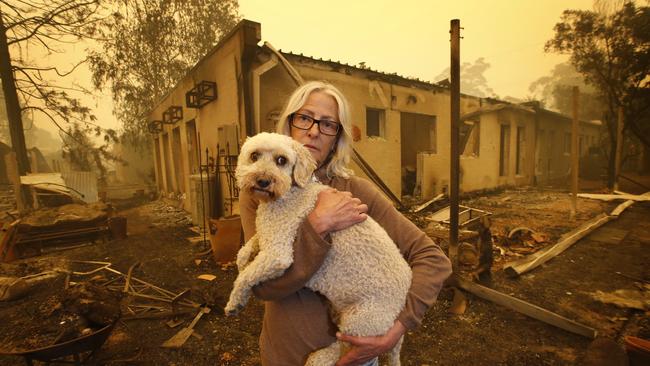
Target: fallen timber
{"x":526,"y":308}
{"x":523,"y":265}
{"x":620,"y":208}
{"x":611,"y":197}
{"x":536,"y":259}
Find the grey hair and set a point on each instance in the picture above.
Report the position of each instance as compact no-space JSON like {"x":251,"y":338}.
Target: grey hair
{"x":338,"y":165}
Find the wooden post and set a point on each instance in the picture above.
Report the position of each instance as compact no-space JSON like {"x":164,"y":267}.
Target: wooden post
{"x":14,"y":178}
{"x":575,"y":154}
{"x":526,"y":308}
{"x":454,"y":156}
{"x":619,"y":147}
{"x":33,"y":158}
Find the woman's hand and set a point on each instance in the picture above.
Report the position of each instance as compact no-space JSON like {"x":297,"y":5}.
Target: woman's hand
{"x":365,"y":349}
{"x":336,"y":210}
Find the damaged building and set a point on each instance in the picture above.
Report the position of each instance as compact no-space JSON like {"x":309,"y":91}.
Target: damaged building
{"x":401,"y":126}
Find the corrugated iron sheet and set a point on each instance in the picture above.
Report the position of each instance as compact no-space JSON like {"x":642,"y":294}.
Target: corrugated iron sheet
{"x":48,"y":181}
{"x":83,"y":182}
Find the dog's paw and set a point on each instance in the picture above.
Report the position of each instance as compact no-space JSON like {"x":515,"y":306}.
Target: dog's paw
{"x":232,"y":309}
{"x":241,"y":263}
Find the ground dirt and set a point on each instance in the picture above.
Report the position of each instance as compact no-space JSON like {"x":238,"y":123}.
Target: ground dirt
{"x":486,"y":334}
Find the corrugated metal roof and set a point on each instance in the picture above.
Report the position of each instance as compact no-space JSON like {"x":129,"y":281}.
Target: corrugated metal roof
{"x":47,"y":181}
{"x":524,"y":108}
{"x":390,"y":77}
{"x":560,"y":115}
{"x":494,"y":108}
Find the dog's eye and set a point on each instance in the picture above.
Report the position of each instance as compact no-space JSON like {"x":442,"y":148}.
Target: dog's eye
{"x":280,"y":160}
{"x":254,"y":156}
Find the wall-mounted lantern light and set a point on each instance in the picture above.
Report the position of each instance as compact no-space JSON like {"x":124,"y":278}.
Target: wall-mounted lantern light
{"x":203,"y":93}
{"x":172,"y":115}
{"x":155,"y":126}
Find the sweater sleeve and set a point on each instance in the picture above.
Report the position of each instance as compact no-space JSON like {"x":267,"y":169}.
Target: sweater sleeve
{"x":309,"y":251}
{"x":428,"y":262}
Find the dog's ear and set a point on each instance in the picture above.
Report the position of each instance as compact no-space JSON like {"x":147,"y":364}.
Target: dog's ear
{"x":305,"y":165}
{"x":242,"y":161}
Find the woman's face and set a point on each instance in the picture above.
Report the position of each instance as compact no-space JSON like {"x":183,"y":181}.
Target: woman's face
{"x":319,"y":106}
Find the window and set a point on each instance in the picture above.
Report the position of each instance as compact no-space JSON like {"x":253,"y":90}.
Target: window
{"x":552,"y":142}
{"x":504,"y":150}
{"x":473,"y":141}
{"x":375,"y":122}
{"x":177,"y":159}
{"x":192,"y":149}
{"x":567,"y":142}
{"x":168,"y":166}
{"x":521,"y":140}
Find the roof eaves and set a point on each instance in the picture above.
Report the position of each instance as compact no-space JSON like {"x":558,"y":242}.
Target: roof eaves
{"x":490,"y":108}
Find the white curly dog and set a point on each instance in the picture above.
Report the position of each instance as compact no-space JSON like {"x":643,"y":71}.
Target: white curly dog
{"x":364,"y":275}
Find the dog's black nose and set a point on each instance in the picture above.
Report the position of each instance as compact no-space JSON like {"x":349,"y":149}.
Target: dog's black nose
{"x":263,"y":183}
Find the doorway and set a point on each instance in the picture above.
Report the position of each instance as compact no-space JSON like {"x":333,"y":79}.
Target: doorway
{"x":418,"y":134}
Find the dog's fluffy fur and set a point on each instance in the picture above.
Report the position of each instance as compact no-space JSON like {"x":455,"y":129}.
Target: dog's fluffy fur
{"x":364,"y":275}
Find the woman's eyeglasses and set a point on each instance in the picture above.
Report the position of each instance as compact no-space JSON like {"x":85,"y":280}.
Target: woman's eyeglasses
{"x":305,"y":122}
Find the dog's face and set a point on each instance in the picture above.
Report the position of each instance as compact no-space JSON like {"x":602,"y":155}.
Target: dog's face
{"x":270,"y":163}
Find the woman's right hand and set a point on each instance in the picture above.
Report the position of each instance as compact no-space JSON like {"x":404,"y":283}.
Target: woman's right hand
{"x":336,"y":210}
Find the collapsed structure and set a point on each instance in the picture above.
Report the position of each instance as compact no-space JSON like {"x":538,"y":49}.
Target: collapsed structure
{"x":401,"y":126}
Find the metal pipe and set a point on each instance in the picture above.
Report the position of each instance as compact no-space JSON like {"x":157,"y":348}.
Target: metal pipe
{"x":207,"y":169}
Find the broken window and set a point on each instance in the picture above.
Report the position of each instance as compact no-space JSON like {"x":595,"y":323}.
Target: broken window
{"x":504,"y":150}
{"x":375,"y":122}
{"x":192,"y":149}
{"x":473,"y":141}
{"x":521,"y":139}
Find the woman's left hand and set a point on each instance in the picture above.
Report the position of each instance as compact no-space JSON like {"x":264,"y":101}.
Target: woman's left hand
{"x":364,"y":349}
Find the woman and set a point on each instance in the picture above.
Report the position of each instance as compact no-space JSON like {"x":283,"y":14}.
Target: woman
{"x":296,"y":320}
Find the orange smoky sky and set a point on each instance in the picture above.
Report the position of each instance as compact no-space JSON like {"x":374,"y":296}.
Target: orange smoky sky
{"x":407,"y":37}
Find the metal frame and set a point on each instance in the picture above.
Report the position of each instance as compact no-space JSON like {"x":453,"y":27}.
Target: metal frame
{"x":155,"y":126}
{"x":203,"y":93}
{"x":172,"y":115}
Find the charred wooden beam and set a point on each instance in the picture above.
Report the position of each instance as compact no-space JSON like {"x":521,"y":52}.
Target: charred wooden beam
{"x":536,"y":259}
{"x":526,"y":308}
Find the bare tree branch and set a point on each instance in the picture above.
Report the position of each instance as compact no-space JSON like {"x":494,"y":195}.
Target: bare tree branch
{"x":53,"y":120}
{"x":48,"y":19}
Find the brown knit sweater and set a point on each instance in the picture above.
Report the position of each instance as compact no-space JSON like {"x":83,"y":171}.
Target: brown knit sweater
{"x":296,"y":320}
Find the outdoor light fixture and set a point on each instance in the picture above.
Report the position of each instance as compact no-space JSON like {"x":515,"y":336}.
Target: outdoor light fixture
{"x":155,"y":126}
{"x":172,"y":115}
{"x":203,"y":93}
